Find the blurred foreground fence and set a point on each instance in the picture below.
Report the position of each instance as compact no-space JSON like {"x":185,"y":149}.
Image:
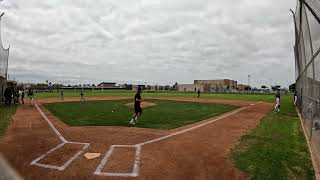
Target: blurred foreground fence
{"x":4,"y":55}
{"x":307,"y":65}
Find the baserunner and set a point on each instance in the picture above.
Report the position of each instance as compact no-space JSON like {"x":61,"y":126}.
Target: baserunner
{"x":137,"y":107}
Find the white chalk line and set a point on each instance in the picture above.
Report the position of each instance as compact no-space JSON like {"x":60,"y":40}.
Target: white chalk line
{"x":135,"y":170}
{"x":51,"y":125}
{"x":64,"y":141}
{"x":138,"y":147}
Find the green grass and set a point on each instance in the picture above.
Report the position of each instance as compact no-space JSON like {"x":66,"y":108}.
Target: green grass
{"x":166,"y":115}
{"x":5,"y":116}
{"x":276,"y":149}
{"x":90,"y":93}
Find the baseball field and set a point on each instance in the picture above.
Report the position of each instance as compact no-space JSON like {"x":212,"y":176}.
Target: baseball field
{"x":179,"y":136}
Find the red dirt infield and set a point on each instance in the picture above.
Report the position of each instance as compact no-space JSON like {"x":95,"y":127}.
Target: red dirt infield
{"x":196,"y":151}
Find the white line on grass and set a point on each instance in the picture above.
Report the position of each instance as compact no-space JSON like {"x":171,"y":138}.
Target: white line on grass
{"x":135,"y":171}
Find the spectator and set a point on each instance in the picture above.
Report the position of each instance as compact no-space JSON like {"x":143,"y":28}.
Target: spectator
{"x":8,"y":96}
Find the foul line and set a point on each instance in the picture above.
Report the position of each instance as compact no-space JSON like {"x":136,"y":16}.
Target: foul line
{"x":51,"y":125}
{"x":192,"y":128}
{"x":64,"y":141}
{"x":135,"y":171}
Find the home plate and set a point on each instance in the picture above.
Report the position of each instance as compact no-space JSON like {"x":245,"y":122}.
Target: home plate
{"x":91,"y":155}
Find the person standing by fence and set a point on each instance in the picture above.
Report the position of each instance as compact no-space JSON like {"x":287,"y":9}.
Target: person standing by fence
{"x":8,"y":96}
{"x":295,"y":99}
{"x":30,"y":95}
{"x":22,"y":96}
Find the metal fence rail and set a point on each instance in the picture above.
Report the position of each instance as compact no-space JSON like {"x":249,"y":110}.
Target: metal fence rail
{"x":307,"y":63}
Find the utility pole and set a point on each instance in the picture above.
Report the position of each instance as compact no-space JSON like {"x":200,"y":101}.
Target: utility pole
{"x":249,"y":80}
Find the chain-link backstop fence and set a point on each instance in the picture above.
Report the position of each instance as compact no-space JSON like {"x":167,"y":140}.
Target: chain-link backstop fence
{"x":307,"y":63}
{"x":4,"y":55}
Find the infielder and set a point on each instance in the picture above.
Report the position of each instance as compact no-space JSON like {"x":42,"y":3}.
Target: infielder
{"x":137,"y":107}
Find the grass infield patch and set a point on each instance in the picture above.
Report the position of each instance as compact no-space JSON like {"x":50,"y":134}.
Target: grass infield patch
{"x":165,"y":115}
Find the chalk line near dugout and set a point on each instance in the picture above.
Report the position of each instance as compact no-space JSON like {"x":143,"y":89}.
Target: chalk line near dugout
{"x":135,"y":171}
{"x":64,"y":141}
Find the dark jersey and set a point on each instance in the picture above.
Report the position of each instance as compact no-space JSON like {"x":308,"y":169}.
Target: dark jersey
{"x":137,"y":99}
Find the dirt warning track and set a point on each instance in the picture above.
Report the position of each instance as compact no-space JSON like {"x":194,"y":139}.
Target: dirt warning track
{"x":40,"y":146}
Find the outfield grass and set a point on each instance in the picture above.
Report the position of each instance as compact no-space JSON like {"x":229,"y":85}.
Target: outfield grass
{"x":166,"y":115}
{"x":90,"y":93}
{"x":5,"y":116}
{"x":276,"y":149}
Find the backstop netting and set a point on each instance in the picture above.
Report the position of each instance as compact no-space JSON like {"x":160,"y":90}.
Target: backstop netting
{"x":307,"y":65}
{"x":4,"y":55}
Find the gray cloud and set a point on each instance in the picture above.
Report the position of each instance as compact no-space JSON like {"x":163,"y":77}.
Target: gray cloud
{"x":154,"y":41}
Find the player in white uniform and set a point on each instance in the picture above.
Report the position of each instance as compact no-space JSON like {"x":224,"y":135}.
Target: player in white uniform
{"x":277,"y":106}
{"x":295,"y":99}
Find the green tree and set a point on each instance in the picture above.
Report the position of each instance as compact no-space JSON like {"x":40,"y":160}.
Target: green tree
{"x":292,"y":87}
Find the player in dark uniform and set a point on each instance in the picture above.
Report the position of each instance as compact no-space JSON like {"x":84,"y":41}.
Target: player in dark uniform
{"x":61,"y":94}
{"x":199,"y":93}
{"x":31,"y":96}
{"x":137,"y":107}
{"x":22,"y":96}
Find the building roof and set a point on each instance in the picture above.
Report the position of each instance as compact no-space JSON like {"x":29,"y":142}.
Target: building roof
{"x":108,"y":83}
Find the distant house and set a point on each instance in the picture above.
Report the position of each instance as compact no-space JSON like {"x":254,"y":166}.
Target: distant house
{"x":242,"y":87}
{"x":107,"y":85}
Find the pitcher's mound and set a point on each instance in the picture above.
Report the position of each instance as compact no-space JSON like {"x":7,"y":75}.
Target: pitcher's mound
{"x":143,"y":105}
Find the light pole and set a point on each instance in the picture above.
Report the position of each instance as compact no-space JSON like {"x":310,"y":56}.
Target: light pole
{"x":249,"y":80}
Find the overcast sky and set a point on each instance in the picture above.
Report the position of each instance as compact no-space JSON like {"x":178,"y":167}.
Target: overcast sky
{"x":153,"y":41}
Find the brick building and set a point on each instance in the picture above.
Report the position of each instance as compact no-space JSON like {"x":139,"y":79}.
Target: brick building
{"x":190,"y":87}
{"x":220,"y":85}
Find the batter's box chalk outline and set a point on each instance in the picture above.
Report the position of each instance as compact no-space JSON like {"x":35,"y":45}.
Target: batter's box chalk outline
{"x":135,"y":170}
{"x":66,"y":164}
{"x":64,"y":141}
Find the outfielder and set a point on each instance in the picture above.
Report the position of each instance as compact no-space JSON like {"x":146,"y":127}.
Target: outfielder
{"x":277,"y":106}
{"x":82,"y":95}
